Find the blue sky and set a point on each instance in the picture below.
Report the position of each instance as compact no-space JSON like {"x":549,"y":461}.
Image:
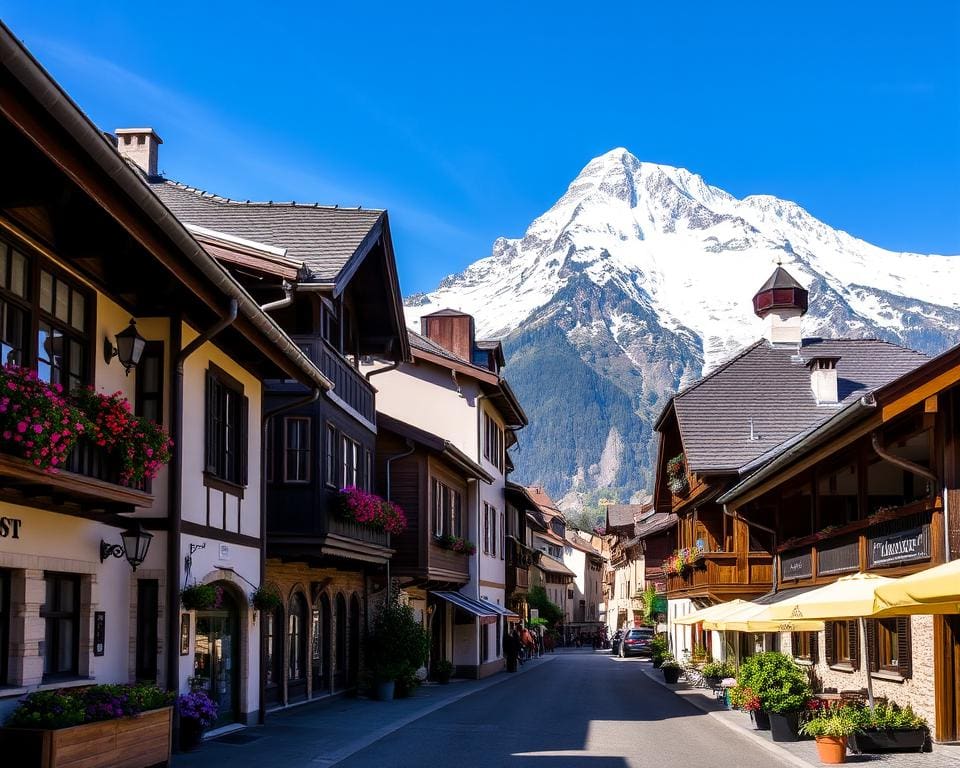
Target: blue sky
{"x":469,"y":120}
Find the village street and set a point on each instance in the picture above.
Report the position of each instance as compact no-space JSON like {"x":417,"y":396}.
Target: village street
{"x":569,"y":709}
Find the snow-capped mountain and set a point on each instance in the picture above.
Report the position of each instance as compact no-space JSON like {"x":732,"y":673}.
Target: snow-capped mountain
{"x":638,"y":280}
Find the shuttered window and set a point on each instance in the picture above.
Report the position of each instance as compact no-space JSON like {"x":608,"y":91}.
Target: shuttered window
{"x":226,"y":428}
{"x":888,"y":641}
{"x":842,"y":641}
{"x":805,"y":646}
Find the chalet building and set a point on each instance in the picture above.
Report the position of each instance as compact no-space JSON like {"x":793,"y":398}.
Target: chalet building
{"x":520,"y":555}
{"x":454,"y":389}
{"x":874,"y":488}
{"x":736,"y":418}
{"x":327,"y":276}
{"x":85,"y":250}
{"x":581,"y":557}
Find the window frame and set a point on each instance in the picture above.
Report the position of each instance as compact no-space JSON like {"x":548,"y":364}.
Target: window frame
{"x":226,"y":429}
{"x":147,"y":665}
{"x":331,"y":451}
{"x":155,"y":350}
{"x":56,"y":615}
{"x":305,"y":450}
{"x":5,"y":579}
{"x":486,"y":528}
{"x":807,"y":645}
{"x":349,"y":460}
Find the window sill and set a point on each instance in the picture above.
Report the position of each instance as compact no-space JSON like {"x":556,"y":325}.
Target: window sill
{"x":803,"y":662}
{"x":890,"y":677}
{"x":7,"y":692}
{"x":68,"y":682}
{"x":842,"y":668}
{"x":219,"y":484}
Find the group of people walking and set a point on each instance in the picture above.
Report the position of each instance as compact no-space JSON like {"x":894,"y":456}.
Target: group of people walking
{"x":520,"y":644}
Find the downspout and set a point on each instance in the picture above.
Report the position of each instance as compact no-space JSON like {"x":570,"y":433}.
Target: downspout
{"x":410,"y":449}
{"x":904,"y":464}
{"x":176,"y":491}
{"x":286,"y":301}
{"x":264,"y":422}
{"x":386,"y":369}
{"x":480,"y":399}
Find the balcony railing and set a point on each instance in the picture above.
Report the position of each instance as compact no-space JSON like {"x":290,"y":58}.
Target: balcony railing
{"x":348,"y":383}
{"x":724,"y":569}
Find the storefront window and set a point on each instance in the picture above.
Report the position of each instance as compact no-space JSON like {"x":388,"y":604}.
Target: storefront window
{"x":61,"y":614}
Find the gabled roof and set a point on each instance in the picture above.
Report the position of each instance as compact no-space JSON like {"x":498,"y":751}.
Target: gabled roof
{"x":655,"y":523}
{"x":435,"y":443}
{"x":542,"y":499}
{"x":625,"y":515}
{"x":578,"y":542}
{"x":762,"y":397}
{"x":550,"y":565}
{"x":324,"y":238}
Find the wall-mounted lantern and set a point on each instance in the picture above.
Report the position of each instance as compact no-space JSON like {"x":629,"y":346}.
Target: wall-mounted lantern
{"x":130,"y":345}
{"x":136,"y":543}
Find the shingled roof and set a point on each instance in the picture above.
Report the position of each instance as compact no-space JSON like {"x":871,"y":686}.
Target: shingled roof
{"x":324,"y":238}
{"x":762,"y":397}
{"x":625,"y":515}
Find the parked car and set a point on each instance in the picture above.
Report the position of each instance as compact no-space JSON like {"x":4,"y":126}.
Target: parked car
{"x":637,"y":643}
{"x":615,"y":642}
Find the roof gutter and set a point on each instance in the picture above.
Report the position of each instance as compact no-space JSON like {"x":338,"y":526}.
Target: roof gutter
{"x":71,"y":118}
{"x":283,"y":303}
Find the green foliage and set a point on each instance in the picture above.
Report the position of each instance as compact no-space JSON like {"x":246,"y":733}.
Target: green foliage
{"x":834,"y":721}
{"x":550,"y":611}
{"x":744,"y":698}
{"x":779,"y":683}
{"x":887,"y":716}
{"x":76,"y":706}
{"x":538,"y":622}
{"x":669,"y":662}
{"x":659,"y":649}
{"x":398,"y":645}
{"x":719,"y":669}
{"x":201,"y":597}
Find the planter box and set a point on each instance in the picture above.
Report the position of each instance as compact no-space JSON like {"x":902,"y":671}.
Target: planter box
{"x":784,"y":727}
{"x":670,"y":674}
{"x":901,"y":739}
{"x":130,"y":742}
{"x":761,"y":720}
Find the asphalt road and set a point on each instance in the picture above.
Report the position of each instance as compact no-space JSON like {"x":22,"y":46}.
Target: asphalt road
{"x":581,"y":709}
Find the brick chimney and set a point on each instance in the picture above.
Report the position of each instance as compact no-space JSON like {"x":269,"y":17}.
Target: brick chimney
{"x":452,"y":330}
{"x":823,"y":379}
{"x":140,"y":145}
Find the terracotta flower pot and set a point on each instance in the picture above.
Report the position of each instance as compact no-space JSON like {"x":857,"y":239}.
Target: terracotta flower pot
{"x":832,"y":749}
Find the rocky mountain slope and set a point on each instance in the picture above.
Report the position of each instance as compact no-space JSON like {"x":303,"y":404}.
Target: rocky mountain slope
{"x":639,"y":280}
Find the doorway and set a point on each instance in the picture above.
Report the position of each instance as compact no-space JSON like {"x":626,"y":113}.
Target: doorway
{"x":946,"y":638}
{"x":320,"y":646}
{"x":353,"y":652}
{"x":216,"y":658}
{"x":340,"y":668}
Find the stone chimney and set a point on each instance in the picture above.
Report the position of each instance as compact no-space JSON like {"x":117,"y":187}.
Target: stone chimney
{"x":452,"y":330}
{"x":823,"y":379}
{"x":781,"y":302}
{"x":140,"y":145}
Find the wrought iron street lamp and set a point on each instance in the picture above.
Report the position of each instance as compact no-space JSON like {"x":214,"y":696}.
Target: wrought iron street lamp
{"x":130,"y":345}
{"x":136,"y":544}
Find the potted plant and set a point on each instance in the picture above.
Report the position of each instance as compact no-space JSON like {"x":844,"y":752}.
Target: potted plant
{"x":397,"y":646}
{"x":889,"y":727}
{"x":265,"y":599}
{"x":98,"y":724}
{"x":457,"y":544}
{"x":671,"y":669}
{"x":744,"y":699}
{"x":658,"y":650}
{"x":197,"y":713}
{"x":442,"y":671}
{"x":715,"y":671}
{"x":831,"y":727}
{"x":201,"y":597}
{"x":783,"y":690}
{"x":677,"y":475}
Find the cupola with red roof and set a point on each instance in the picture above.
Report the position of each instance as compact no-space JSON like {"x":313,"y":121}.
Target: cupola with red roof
{"x":781,"y":302}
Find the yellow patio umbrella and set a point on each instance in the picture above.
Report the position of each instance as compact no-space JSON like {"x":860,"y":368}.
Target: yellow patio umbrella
{"x":849,"y":597}
{"x":710,"y":612}
{"x":744,"y":619}
{"x":935,"y":590}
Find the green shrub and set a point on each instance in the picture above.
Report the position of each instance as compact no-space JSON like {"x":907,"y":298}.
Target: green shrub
{"x":398,"y":645}
{"x":720,"y":669}
{"x":778,"y":682}
{"x":834,"y":721}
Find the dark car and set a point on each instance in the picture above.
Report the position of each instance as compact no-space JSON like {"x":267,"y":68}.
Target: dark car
{"x":615,"y":642}
{"x":637,"y":643}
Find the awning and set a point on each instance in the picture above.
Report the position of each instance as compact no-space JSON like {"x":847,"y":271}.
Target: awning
{"x":710,"y":612}
{"x":935,"y":590}
{"x":743,"y":619}
{"x":485,"y":611}
{"x":505,"y":612}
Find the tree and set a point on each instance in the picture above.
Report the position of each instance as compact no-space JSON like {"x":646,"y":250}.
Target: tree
{"x":537,"y":598}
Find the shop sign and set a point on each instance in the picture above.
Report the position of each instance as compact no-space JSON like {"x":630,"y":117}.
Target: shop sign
{"x":796,"y":566}
{"x":99,"y":632}
{"x":842,"y":559}
{"x":10,"y":527}
{"x":902,"y":547}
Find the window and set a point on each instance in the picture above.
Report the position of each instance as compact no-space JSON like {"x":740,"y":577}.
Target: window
{"x":330,"y":476}
{"x":493,"y":441}
{"x":493,"y":532}
{"x":890,"y":647}
{"x":226,"y":428}
{"x":350,"y":458}
{"x":456,"y":513}
{"x":148,"y":593}
{"x":368,"y":470}
{"x":61,"y":615}
{"x":4,"y":624}
{"x":14,"y":305}
{"x":486,"y":527}
{"x":150,"y":382}
{"x":437,"y":509}
{"x":296,"y":449}
{"x":61,"y":340}
{"x":296,"y":639}
{"x":503,"y":539}
{"x":842,"y":640}
{"x":804,"y":645}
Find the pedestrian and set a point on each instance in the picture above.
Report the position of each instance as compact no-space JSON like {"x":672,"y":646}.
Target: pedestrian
{"x":511,"y":649}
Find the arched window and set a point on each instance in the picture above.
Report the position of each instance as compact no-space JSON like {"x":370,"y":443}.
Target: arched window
{"x":321,"y":645}
{"x":297,"y":638}
{"x":340,"y":671}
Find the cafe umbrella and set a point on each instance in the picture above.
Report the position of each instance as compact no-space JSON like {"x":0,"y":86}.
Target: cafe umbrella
{"x":849,"y":597}
{"x":935,"y":590}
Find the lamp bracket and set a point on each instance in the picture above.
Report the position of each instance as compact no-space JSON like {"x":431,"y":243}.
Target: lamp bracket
{"x":110,"y":550}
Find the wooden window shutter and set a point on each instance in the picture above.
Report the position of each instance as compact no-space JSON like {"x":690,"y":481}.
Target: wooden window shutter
{"x":814,"y":647}
{"x":243,"y":439}
{"x":872,"y":650}
{"x":853,"y":635}
{"x":828,"y":651}
{"x":904,"y":647}
{"x":210,"y":425}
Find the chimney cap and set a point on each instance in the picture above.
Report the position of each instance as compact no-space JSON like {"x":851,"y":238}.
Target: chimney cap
{"x":830,"y":360}
{"x":137,"y":132}
{"x":781,"y":291}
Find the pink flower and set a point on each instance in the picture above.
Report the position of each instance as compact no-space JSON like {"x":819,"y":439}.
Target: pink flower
{"x":22,"y":427}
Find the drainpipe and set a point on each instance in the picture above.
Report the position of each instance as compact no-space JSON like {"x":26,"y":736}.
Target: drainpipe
{"x":480,"y":399}
{"x":286,"y":301}
{"x":909,"y":466}
{"x":386,"y":369}
{"x":176,"y":491}
{"x":264,"y":422}
{"x":410,"y":449}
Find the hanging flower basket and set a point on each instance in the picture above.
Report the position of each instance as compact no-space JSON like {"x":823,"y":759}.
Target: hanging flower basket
{"x":370,"y":510}
{"x":677,"y":480}
{"x":201,"y":597}
{"x":682,"y":560}
{"x":458,"y":544}
{"x":263,"y":599}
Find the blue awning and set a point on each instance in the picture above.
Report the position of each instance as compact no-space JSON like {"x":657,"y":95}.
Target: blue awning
{"x":486,"y":611}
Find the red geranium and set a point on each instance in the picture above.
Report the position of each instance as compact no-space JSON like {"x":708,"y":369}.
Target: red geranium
{"x":369,"y":509}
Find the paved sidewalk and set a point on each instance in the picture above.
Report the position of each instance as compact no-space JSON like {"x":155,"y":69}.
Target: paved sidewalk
{"x":801,"y":754}
{"x":327,"y":731}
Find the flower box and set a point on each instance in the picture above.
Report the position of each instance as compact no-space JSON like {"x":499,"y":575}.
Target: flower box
{"x":784,"y":727}
{"x":139,"y":741}
{"x":890,"y":739}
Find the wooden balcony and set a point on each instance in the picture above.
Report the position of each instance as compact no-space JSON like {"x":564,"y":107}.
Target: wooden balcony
{"x":893,"y":543}
{"x":89,"y":483}
{"x":723,"y":575}
{"x":349,"y":385}
{"x":518,"y":560}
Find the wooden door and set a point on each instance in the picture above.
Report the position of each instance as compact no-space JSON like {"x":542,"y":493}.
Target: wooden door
{"x":946,"y":639}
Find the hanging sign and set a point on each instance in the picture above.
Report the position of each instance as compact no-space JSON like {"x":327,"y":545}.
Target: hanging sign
{"x":902,"y":547}
{"x":796,"y":566}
